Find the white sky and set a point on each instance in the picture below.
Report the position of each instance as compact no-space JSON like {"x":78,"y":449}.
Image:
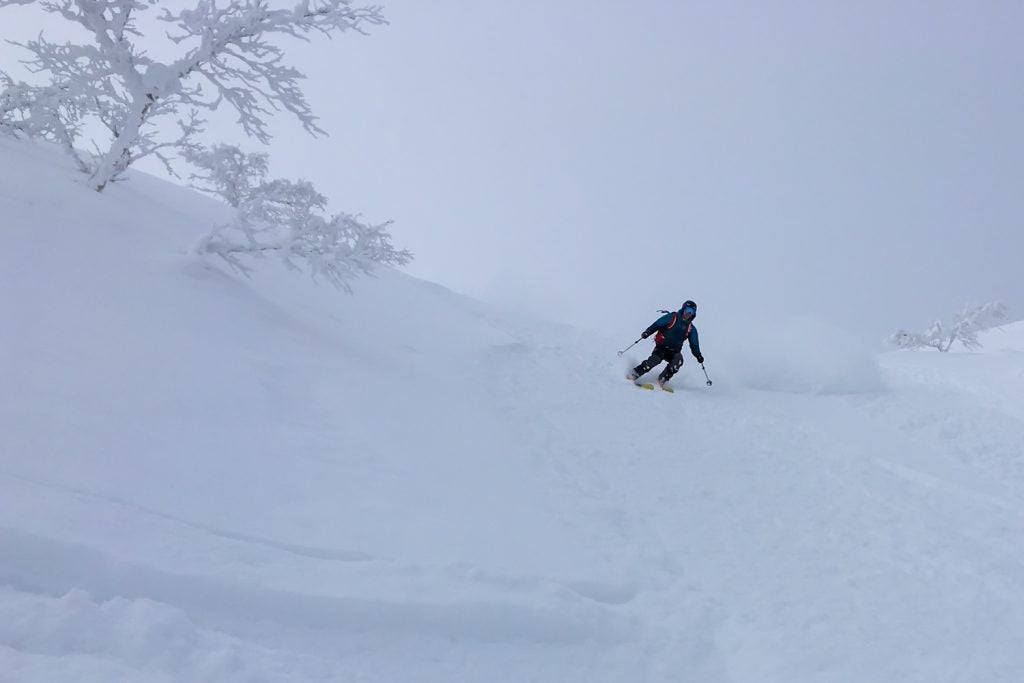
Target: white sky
{"x":861,"y":163}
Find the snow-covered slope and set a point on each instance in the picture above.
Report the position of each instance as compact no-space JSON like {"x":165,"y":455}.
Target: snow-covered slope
{"x":207,"y":478}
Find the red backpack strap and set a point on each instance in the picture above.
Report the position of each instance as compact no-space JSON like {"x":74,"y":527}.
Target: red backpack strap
{"x":675,"y":316}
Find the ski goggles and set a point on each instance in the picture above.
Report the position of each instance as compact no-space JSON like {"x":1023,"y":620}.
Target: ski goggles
{"x":689,"y":311}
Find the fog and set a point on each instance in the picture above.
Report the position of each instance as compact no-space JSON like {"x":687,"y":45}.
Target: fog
{"x":858,"y":164}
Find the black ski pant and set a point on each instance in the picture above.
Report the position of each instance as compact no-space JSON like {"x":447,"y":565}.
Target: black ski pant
{"x":672,"y":356}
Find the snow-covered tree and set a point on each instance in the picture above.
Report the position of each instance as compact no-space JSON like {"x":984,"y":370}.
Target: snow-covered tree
{"x":286,"y":219}
{"x":975,"y":318}
{"x":967,"y":323}
{"x":224,"y":46}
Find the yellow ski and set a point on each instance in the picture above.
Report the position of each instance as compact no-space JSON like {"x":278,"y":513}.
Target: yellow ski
{"x":650,"y":387}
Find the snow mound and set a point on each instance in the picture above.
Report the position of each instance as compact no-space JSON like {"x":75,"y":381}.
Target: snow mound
{"x":1005,"y":338}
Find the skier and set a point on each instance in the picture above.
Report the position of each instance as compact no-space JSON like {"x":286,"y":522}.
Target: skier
{"x":672,"y":330}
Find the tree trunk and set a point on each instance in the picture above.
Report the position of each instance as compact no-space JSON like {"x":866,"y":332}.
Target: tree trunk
{"x":118,"y":157}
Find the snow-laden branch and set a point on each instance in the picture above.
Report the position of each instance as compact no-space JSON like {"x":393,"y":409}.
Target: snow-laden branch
{"x":228,"y":172}
{"x":246,"y":70}
{"x":225,"y":47}
{"x":287,"y":219}
{"x":54,"y":112}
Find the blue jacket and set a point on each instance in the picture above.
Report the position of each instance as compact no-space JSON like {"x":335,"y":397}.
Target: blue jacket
{"x":673,"y":331}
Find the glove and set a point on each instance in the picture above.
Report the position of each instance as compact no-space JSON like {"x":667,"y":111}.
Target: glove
{"x":700,"y":359}
{"x":646,"y":334}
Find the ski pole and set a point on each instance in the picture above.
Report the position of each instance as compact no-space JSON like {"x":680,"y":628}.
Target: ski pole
{"x":705,"y":374}
{"x":631,"y":346}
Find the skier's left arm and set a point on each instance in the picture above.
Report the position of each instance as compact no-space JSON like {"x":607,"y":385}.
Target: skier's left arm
{"x":695,"y":345}
{"x":658,"y":325}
